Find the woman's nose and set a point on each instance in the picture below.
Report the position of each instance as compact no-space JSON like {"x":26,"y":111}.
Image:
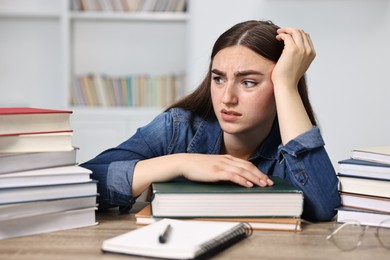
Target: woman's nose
{"x":229,"y":95}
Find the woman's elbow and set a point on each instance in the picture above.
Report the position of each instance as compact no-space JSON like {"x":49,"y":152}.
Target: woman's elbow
{"x":321,"y":210}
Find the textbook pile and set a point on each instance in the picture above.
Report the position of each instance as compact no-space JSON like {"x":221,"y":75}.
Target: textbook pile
{"x":365,"y":186}
{"x":277,"y":207}
{"x":41,"y":187}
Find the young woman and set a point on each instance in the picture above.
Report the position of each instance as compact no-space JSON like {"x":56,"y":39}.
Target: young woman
{"x":248,"y":119}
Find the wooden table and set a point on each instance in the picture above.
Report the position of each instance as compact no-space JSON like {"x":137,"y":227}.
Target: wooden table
{"x":84,"y":243}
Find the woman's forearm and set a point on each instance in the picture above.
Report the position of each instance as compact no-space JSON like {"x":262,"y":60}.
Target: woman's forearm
{"x":197,"y":167}
{"x":158,"y":169}
{"x":292,"y":116}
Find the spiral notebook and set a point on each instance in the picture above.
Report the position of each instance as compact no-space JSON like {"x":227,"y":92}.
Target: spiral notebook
{"x":187,"y":239}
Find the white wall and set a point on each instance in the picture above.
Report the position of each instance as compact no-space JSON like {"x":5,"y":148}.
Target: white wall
{"x":348,"y":81}
{"x":29,"y":71}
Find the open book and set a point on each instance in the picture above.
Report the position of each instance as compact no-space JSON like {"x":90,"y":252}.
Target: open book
{"x":187,"y":239}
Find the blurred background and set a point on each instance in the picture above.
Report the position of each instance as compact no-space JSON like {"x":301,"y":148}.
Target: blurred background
{"x":48,"y":46}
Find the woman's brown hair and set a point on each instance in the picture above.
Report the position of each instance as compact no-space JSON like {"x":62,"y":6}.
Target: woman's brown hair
{"x":260,"y":37}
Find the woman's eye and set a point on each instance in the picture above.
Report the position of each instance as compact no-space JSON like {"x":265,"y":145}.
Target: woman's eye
{"x":217,"y":80}
{"x":248,"y":83}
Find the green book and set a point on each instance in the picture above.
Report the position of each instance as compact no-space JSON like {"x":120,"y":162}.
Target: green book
{"x":187,"y":199}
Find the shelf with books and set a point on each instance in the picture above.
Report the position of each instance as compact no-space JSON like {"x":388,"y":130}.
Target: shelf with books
{"x":138,"y":90}
{"x":123,"y":44}
{"x":57,"y":44}
{"x":140,"y":16}
{"x":119,"y":45}
{"x":129,"y":5}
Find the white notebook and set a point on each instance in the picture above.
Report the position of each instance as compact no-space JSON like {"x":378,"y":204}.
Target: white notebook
{"x":186,"y":240}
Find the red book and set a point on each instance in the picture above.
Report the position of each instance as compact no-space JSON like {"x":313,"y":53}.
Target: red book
{"x":26,"y":120}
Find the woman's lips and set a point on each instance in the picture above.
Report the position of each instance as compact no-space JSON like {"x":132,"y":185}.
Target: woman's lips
{"x":229,"y":115}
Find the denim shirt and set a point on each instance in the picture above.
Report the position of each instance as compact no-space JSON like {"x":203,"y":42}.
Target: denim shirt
{"x":303,"y":161}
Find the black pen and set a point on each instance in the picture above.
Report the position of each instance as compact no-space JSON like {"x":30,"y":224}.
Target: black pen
{"x":163,"y":238}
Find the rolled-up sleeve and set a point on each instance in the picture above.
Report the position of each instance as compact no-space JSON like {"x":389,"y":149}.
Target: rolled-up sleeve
{"x":119,"y":182}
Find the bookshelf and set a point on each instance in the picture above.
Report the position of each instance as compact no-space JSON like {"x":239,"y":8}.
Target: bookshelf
{"x":50,"y":44}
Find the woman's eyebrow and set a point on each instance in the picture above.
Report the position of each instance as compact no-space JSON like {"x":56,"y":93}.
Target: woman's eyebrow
{"x":248,"y":72}
{"x":218,"y":72}
{"x":238,"y":73}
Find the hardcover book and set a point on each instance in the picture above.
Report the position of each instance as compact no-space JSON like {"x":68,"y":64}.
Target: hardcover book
{"x":50,"y":222}
{"x":359,"y":201}
{"x":364,"y":186}
{"x":367,"y":169}
{"x":379,"y":154}
{"x":22,"y":210}
{"x":47,"y":176}
{"x":14,"y":162}
{"x":225,"y":199}
{"x":27,"y":120}
{"x":47,"y":192}
{"x":144,"y":217}
{"x":365,"y":217}
{"x":28,"y":143}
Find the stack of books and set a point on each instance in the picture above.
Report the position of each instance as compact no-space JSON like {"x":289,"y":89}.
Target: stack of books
{"x":42,"y":189}
{"x":277,"y":207}
{"x":365,"y":186}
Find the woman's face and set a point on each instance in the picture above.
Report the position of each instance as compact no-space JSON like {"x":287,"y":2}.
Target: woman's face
{"x":242,"y":91}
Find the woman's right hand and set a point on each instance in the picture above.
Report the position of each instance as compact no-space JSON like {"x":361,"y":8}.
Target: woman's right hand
{"x":213,"y":168}
{"x":298,"y":53}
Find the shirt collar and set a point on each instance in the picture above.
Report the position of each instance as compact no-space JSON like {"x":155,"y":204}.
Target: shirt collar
{"x":207,"y":138}
{"x":269,"y":148}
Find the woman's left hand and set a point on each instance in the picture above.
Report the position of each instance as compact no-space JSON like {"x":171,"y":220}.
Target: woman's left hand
{"x":297,"y":55}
